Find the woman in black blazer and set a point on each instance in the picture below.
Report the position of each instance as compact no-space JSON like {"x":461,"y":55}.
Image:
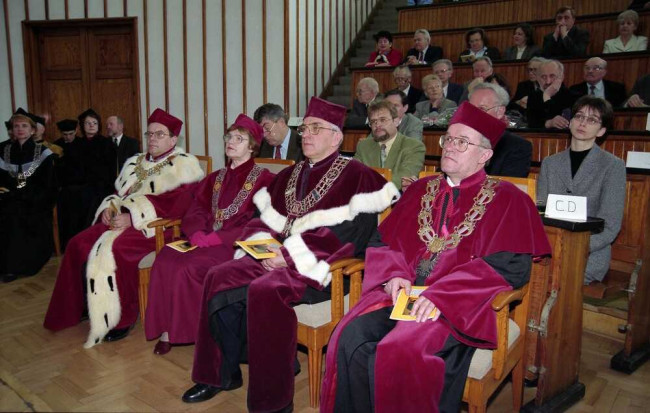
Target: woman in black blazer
{"x":477,"y":46}
{"x":524,"y":47}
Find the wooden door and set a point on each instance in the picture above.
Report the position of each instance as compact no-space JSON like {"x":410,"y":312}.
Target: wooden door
{"x":74,"y":65}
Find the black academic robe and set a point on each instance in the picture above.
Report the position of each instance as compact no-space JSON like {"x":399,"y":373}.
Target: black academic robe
{"x":538,"y":111}
{"x":414,"y":96}
{"x":126,"y":149}
{"x":26,"y":242}
{"x":100,"y":173}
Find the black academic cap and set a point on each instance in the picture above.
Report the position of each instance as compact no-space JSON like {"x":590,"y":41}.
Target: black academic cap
{"x":37,"y":119}
{"x":8,"y":124}
{"x":67,"y":125}
{"x":21,"y":111}
{"x":86,"y":113}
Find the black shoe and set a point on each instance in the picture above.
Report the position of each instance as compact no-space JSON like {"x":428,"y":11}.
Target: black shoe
{"x":287,"y":409}
{"x":296,"y":367}
{"x":7,"y":278}
{"x":117,"y":334}
{"x":201,"y":392}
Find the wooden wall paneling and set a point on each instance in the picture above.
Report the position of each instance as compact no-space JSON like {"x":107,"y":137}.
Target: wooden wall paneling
{"x":10,"y":65}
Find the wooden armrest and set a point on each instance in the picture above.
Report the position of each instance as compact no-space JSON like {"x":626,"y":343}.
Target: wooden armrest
{"x":160,"y":222}
{"x":359,"y":266}
{"x":343,"y":262}
{"x":506,"y":297}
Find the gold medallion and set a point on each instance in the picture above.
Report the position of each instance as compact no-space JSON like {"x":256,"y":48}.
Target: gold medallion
{"x":248,"y":186}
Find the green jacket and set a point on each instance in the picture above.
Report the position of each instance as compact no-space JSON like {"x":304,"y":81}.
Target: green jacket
{"x":406,"y":156}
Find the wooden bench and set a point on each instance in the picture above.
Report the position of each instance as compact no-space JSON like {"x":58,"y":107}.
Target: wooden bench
{"x":622,"y":67}
{"x":601,"y":27}
{"x":491,"y":12}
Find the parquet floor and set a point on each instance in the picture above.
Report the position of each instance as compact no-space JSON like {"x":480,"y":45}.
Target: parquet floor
{"x":44,"y":371}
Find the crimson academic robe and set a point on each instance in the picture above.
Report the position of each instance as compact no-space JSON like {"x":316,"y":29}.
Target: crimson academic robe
{"x":338,"y":225}
{"x":177,"y":278}
{"x":112,"y":256}
{"x":408,"y":375}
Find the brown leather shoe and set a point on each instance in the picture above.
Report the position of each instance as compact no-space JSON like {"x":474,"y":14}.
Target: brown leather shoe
{"x":162,"y":347}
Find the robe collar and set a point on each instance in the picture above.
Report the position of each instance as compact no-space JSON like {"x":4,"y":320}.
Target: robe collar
{"x":159,"y":157}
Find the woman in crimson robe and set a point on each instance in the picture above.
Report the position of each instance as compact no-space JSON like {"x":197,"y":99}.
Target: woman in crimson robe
{"x":222,"y":205}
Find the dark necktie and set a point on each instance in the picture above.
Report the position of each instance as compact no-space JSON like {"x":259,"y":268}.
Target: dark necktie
{"x":277,"y":154}
{"x":592,"y":90}
{"x":420,"y":57}
{"x":383,"y":154}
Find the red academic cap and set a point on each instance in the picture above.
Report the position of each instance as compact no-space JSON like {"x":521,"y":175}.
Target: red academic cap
{"x":173,"y":123}
{"x":250,"y":125}
{"x":328,"y":111}
{"x":489,"y":126}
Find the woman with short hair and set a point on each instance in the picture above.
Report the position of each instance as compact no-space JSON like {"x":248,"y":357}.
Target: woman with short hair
{"x":627,"y":41}
{"x":436,"y":103}
{"x":384,"y":54}
{"x":478,"y":46}
{"x":523,"y":44}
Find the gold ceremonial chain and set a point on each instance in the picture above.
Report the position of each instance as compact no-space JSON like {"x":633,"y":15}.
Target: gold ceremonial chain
{"x":297,"y":208}
{"x":142,"y":174}
{"x":220,"y":215}
{"x":436,"y":244}
{"x":21,"y":177}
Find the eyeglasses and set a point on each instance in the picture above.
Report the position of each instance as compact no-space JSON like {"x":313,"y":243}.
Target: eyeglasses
{"x":441,"y":71}
{"x":158,"y":134}
{"x":269,"y":130}
{"x":91,"y":123}
{"x":594,"y":68}
{"x":380,"y":121}
{"x":233,"y":138}
{"x":314,"y":129}
{"x":532,"y":69}
{"x":589,"y":120}
{"x":486,"y":110}
{"x":460,"y":144}
{"x":401,"y":79}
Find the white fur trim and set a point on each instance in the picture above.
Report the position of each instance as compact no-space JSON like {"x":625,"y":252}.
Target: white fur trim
{"x":240,"y":253}
{"x":107,"y":203}
{"x":104,"y":309}
{"x":369,"y":202}
{"x":306,"y":262}
{"x":142,"y":213}
{"x":271,"y":217}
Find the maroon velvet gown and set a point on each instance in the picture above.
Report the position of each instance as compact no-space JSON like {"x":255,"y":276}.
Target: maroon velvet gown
{"x":328,"y":231}
{"x":408,"y":375}
{"x":177,"y":278}
{"x":67,"y":303}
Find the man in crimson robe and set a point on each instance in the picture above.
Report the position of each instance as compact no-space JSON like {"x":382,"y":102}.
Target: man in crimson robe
{"x":321,"y":209}
{"x":105,"y":256}
{"x":464,"y":259}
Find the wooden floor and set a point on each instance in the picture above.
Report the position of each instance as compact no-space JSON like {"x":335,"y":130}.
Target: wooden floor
{"x":45,"y":371}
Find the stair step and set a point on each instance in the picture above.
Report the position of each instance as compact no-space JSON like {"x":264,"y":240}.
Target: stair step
{"x":345,"y":80}
{"x":358,"y":61}
{"x":340,"y":100}
{"x":343,"y":90}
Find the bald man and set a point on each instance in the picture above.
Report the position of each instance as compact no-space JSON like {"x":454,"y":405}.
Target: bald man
{"x":594,"y":70}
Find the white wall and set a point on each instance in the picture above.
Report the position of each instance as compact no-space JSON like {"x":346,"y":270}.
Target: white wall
{"x":305,"y":78}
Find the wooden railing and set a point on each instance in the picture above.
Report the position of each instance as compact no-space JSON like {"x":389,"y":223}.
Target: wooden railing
{"x":491,"y":12}
{"x":621,"y":67}
{"x":601,"y":27}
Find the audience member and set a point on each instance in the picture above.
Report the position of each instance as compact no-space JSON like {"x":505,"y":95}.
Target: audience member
{"x":566,"y":40}
{"x":368,"y":351}
{"x":477,"y":46}
{"x":639,"y":4}
{"x":523,"y":47}
{"x":418,"y":2}
{"x":586,"y":170}
{"x":39,"y":135}
{"x":388,"y":148}
{"x":481,"y":69}
{"x":320,"y":210}
{"x":104,"y":258}
{"x":27,"y":197}
{"x":408,"y":124}
{"x":124,"y":146}
{"x":367,"y":91}
{"x":500,"y":80}
{"x":402,"y":78}
{"x":422,"y":52}
{"x":640,"y":95}
{"x":550,"y":105}
{"x":384,"y":55}
{"x":526,"y":87}
{"x":280,"y":141}
{"x":627,"y":41}
{"x":10,"y":133}
{"x":436,"y":102}
{"x":444,"y":69}
{"x":220,"y":208}
{"x":594,"y":70}
{"x":512,"y":154}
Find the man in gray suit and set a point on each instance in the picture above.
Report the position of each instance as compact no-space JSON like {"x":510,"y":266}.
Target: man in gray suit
{"x":409,"y":125}
{"x":388,"y":148}
{"x":280,"y":142}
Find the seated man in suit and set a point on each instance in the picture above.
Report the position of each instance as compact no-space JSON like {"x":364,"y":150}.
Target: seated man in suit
{"x":444,"y":69}
{"x":512,"y":153}
{"x":409,"y":125}
{"x":125,"y":147}
{"x":402,"y":78}
{"x":367,"y":90}
{"x":388,"y":148}
{"x":481,"y":69}
{"x":422,"y":52}
{"x":550,"y":105}
{"x":567,"y":40}
{"x":280,"y":141}
{"x":594,"y":71}
{"x":640,"y":95}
